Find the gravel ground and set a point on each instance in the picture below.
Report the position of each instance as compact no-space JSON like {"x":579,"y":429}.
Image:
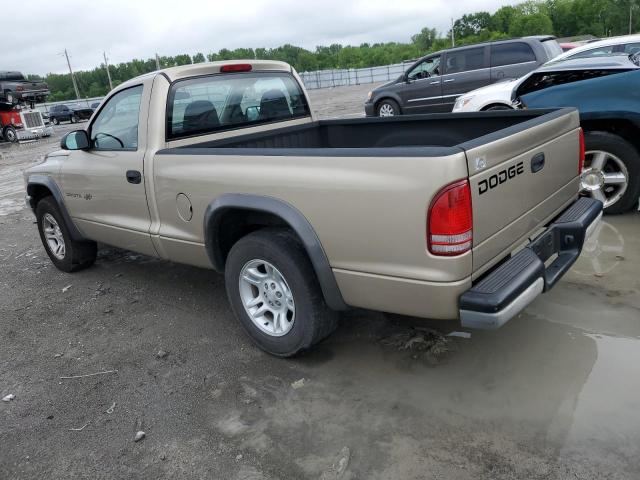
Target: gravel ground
{"x":553,"y":394}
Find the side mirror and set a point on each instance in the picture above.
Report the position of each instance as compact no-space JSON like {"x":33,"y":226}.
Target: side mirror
{"x":252,"y":113}
{"x":76,"y":140}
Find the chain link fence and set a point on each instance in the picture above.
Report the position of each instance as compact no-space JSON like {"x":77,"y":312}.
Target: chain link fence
{"x":353,"y":76}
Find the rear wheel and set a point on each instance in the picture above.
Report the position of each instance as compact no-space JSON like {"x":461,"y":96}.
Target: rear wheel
{"x":273,"y":291}
{"x":66,"y":254}
{"x":10,"y":135}
{"x":388,"y":108}
{"x":73,"y":119}
{"x":611,"y":171}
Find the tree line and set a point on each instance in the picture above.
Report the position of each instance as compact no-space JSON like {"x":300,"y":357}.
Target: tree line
{"x":562,"y":18}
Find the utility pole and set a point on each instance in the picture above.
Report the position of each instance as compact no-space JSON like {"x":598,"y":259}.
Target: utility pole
{"x":106,"y":65}
{"x":157,"y":62}
{"x":630,"y":17}
{"x":453,"y":40}
{"x":73,"y":79}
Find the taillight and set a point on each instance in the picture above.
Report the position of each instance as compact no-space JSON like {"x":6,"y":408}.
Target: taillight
{"x":19,"y":88}
{"x":450,"y":220}
{"x":237,"y":67}
{"x":582,"y":151}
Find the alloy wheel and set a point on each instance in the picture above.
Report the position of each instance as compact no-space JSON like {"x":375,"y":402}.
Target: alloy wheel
{"x":53,"y":236}
{"x":267,"y":298}
{"x":604,"y":177}
{"x":386,"y":110}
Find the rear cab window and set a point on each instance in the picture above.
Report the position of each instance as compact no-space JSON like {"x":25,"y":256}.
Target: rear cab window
{"x":198,"y":106}
{"x":511,"y":54}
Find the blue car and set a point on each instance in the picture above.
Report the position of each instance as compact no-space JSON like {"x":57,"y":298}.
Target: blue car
{"x":606,"y":91}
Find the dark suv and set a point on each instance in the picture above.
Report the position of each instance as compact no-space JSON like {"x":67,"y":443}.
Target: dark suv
{"x":433,"y":83}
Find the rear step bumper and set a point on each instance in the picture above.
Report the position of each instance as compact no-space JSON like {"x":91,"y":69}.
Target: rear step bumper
{"x":504,"y":292}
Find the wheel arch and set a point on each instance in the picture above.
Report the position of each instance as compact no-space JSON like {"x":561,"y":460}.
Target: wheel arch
{"x":41,"y":186}
{"x":625,"y":127}
{"x":245,"y":213}
{"x":387,"y":96}
{"x":495,"y":104}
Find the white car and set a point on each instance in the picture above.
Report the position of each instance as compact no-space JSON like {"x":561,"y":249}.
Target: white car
{"x":498,"y":95}
{"x":625,"y":44}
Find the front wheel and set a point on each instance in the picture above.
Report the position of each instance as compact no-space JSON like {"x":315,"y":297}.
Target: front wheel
{"x":55,"y":121}
{"x":388,"y":108}
{"x":273,"y":291}
{"x":611,"y":171}
{"x":10,"y":134}
{"x":66,"y":254}
{"x":497,"y":107}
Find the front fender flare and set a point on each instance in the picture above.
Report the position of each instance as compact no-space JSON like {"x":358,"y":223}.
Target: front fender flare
{"x":52,"y":186}
{"x":292,"y":217}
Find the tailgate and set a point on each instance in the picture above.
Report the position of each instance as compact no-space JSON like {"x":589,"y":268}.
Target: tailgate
{"x":520,"y":177}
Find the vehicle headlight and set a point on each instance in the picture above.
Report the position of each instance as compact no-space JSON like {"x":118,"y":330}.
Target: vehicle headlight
{"x":462,"y":102}
{"x":369,"y":95}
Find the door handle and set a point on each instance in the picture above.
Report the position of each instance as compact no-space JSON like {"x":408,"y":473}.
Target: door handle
{"x":434,"y":83}
{"x":537,"y":162}
{"x":134,"y":176}
{"x":449,"y":80}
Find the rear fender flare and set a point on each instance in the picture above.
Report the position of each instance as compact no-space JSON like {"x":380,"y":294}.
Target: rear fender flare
{"x":292,"y":217}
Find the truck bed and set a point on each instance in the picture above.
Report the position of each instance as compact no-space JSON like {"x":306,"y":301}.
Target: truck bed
{"x":417,"y":135}
{"x":366,"y":185}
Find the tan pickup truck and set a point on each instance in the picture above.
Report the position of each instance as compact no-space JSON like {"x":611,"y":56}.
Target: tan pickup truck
{"x":223,"y":166}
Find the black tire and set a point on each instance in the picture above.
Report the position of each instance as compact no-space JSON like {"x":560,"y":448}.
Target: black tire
{"x":9,"y":134}
{"x":392,"y":104}
{"x":497,"y":107}
{"x":54,"y":120}
{"x":72,"y":119}
{"x":313,"y":320}
{"x":628,"y":154}
{"x":78,"y":255}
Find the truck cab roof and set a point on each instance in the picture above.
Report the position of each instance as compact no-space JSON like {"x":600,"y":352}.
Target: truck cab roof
{"x":209,"y":68}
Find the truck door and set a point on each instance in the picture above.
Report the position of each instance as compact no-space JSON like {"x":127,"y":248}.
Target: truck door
{"x":465,"y":69}
{"x":104,"y":186}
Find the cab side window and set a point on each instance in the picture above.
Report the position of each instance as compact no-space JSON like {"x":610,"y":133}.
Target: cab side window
{"x":116,"y":126}
{"x":428,"y":68}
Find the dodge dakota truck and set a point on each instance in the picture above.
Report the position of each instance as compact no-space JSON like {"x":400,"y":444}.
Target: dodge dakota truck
{"x":463,"y":217}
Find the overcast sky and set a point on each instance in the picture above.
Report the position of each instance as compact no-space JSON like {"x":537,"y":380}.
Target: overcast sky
{"x":128,"y":29}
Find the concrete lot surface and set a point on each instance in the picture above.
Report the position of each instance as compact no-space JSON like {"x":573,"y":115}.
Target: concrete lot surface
{"x":553,"y":394}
